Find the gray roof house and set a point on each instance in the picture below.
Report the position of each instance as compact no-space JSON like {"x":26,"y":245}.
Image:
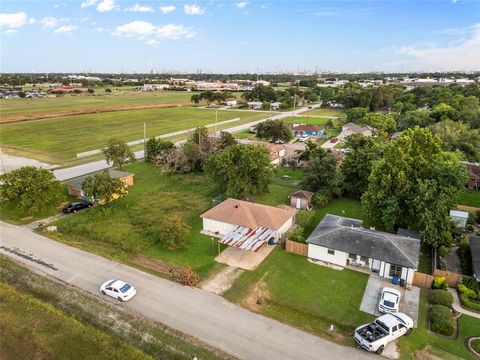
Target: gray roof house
{"x":475,"y":249}
{"x":344,"y":242}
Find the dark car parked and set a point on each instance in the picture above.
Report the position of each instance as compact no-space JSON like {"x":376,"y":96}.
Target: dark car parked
{"x":76,"y":206}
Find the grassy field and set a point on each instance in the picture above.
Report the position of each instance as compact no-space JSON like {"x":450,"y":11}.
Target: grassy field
{"x":13,"y":107}
{"x":60,"y":139}
{"x":307,"y":120}
{"x":326,"y":112}
{"x":46,"y":319}
{"x":288,"y":288}
{"x":280,"y":188}
{"x":469,"y":198}
{"x":422,"y":339}
{"x":245,"y":134}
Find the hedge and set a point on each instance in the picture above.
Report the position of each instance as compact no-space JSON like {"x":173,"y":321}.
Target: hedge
{"x":439,"y":283}
{"x":441,"y":320}
{"x":440,"y":297}
{"x":462,"y":289}
{"x":469,"y":304}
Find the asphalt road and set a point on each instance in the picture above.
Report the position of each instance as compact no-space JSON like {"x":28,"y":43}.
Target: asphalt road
{"x":91,"y":167}
{"x":191,"y":310}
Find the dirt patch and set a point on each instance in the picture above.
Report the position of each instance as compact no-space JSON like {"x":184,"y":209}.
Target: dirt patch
{"x":152,"y":264}
{"x":5,"y":119}
{"x":425,"y":355}
{"x":222,"y":281}
{"x":256,"y":296}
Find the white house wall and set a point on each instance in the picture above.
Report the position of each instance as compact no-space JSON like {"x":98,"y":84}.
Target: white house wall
{"x":285,"y":227}
{"x":321,"y":253}
{"x":214,"y":226}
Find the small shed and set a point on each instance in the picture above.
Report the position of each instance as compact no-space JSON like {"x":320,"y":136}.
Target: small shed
{"x":75,"y":187}
{"x":300,"y":199}
{"x":459,"y":217}
{"x":276,"y":105}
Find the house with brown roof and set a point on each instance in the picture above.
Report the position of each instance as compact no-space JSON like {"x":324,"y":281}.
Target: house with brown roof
{"x":473,"y":182}
{"x":308,"y":130}
{"x":352,"y":129}
{"x":231,"y":214}
{"x":75,"y":186}
{"x":300,"y":199}
{"x":277,"y":151}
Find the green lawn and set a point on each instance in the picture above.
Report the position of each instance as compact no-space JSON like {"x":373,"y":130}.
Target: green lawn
{"x":421,"y":338}
{"x":33,"y":329}
{"x":307,"y":120}
{"x":113,"y":229}
{"x":326,"y":112}
{"x":288,"y":288}
{"x":245,"y":134}
{"x":13,"y":107}
{"x":280,"y":188}
{"x":469,"y":198}
{"x":60,"y":139}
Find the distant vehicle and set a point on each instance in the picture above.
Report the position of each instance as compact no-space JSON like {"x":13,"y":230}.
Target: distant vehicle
{"x":279,"y":142}
{"x":76,"y":206}
{"x":375,"y":336}
{"x":334,"y":140}
{"x":389,"y":300}
{"x":304,"y":138}
{"x":345,"y":151}
{"x":118,"y":289}
{"x":310,"y":107}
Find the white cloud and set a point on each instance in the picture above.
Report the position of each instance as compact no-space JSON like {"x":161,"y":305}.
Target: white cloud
{"x":106,"y":5}
{"x":10,"y":31}
{"x":49,"y":22}
{"x":13,"y":20}
{"x":241,"y":5}
{"x":462,"y":54}
{"x":152,"y":34}
{"x":167,"y":9}
{"x":99,"y":29}
{"x":193,"y":9}
{"x":88,"y":3}
{"x":66,"y":29}
{"x":139,"y":8}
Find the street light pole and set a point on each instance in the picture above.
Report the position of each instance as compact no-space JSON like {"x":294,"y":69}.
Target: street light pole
{"x":216,"y":119}
{"x":144,"y":139}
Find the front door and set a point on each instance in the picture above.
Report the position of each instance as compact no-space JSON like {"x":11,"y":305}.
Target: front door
{"x":299,"y":203}
{"x":376,"y":265}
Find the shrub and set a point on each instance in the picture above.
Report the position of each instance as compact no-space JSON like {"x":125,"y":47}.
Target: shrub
{"x":462,"y":289}
{"x":185,"y":276}
{"x":441,"y":319}
{"x":440,"y":297}
{"x":469,"y":303}
{"x":173,"y":232}
{"x":439,"y":282}
{"x":303,"y":217}
{"x":443,"y":250}
{"x":471,"y":283}
{"x":296,"y":234}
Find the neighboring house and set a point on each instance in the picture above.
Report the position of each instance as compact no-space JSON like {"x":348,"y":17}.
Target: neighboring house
{"x":231,"y":214}
{"x":300,"y":199}
{"x":276,"y":105}
{"x":475,"y":250}
{"x":343,"y":241}
{"x":277,"y":151}
{"x":459,"y":217}
{"x":352,"y":129}
{"x":75,"y":187}
{"x":473,"y":176}
{"x":229,"y":102}
{"x":154,"y":87}
{"x":255,"y":105}
{"x":396,"y":135}
{"x":308,"y":130}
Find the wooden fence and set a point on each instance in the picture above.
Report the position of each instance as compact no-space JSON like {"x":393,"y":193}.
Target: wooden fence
{"x":296,"y":247}
{"x":422,"y":280}
{"x":425,"y":281}
{"x":452,"y":278}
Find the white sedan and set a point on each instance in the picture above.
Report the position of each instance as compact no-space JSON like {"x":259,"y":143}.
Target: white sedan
{"x":118,"y":289}
{"x":389,"y":300}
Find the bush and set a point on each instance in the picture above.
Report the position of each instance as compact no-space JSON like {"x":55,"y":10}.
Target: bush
{"x":439,"y":282}
{"x":471,"y":283}
{"x":462,"y":289}
{"x":469,"y":303}
{"x":443,"y":250}
{"x":440,"y":297}
{"x":303,"y":217}
{"x":296,"y":234}
{"x":441,"y":320}
{"x":185,"y":276}
{"x":173,"y":232}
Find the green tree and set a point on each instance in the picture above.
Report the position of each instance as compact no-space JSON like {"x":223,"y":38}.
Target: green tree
{"x":355,"y":114}
{"x":459,"y":136}
{"x":414,"y":185}
{"x":413,"y":118}
{"x":321,"y":172}
{"x":172,"y":232}
{"x":195,"y":98}
{"x":155,"y":147}
{"x":273,"y":131}
{"x":102,"y":187}
{"x":382,"y":124}
{"x":30,"y":189}
{"x":240,"y":170}
{"x":443,"y":112}
{"x":118,"y":153}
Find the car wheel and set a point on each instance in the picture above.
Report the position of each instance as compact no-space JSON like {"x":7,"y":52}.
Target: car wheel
{"x":120,"y":299}
{"x":380,"y":350}
{"x":409,"y":331}
{"x":103,"y":292}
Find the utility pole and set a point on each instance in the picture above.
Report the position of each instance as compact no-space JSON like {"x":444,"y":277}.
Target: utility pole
{"x":144,"y":139}
{"x":216,"y":118}
{"x":294,"y":102}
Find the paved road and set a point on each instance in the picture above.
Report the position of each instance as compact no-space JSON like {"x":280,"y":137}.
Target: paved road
{"x":84,"y":169}
{"x":191,"y":310}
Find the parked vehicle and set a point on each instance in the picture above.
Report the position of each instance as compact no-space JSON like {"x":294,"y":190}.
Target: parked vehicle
{"x":375,"y":336}
{"x":389,"y":300}
{"x":334,"y":140}
{"x":304,"y":138}
{"x":345,"y":151}
{"x":118,"y":289}
{"x":76,"y":206}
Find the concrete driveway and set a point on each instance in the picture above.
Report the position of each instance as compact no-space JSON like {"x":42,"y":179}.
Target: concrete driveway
{"x":244,"y":259}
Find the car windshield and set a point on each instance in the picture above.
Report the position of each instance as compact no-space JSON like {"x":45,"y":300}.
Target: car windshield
{"x":125,"y":288}
{"x":389,"y":304}
{"x":110,"y":283}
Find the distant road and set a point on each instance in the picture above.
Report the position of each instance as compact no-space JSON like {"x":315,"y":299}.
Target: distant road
{"x":84,"y":169}
{"x":193,"y":311}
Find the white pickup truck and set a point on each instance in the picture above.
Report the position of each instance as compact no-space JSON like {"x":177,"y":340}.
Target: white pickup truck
{"x":375,"y":336}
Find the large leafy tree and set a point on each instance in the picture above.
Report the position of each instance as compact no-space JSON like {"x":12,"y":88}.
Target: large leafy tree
{"x":30,"y":189}
{"x":321,"y":172}
{"x":459,"y":136}
{"x":357,"y":166}
{"x":381,"y":124}
{"x":102,"y":187}
{"x":240,"y":170}
{"x":118,"y":153}
{"x":274,"y":130}
{"x":155,"y":147}
{"x":414,"y":185}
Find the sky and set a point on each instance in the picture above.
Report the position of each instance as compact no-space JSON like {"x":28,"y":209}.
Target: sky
{"x":239,"y":36}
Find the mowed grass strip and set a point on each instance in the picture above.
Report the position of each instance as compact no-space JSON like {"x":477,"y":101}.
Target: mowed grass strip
{"x":62,"y":138}
{"x":326,"y":112}
{"x":33,"y":329}
{"x":307,"y":120}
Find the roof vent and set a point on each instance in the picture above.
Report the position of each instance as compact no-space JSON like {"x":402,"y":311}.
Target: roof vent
{"x":236,"y":206}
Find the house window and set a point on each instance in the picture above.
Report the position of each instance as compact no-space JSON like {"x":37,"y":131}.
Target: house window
{"x":365,"y":259}
{"x":395,"y":270}
{"x":352,"y":256}
{"x":331,"y":252}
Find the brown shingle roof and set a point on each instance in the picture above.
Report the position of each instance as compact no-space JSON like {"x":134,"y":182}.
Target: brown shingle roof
{"x":302,"y":194}
{"x":473,"y":170}
{"x":251,"y":215}
{"x":308,"y":128}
